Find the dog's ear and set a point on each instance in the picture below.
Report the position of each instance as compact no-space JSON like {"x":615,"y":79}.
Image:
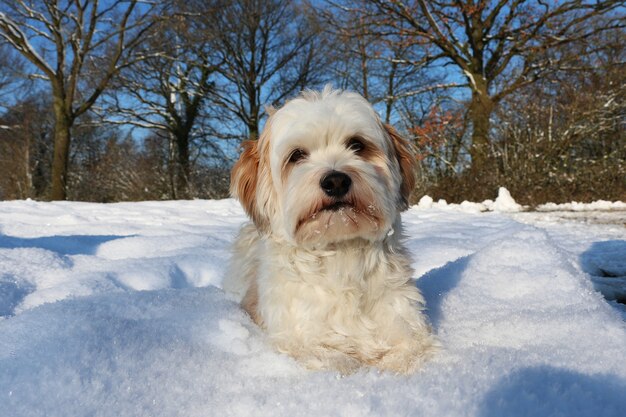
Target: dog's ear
{"x":407,"y":162}
{"x":243,"y":180}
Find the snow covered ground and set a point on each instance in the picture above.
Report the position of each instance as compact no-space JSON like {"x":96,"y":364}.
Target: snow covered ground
{"x":116,"y":310}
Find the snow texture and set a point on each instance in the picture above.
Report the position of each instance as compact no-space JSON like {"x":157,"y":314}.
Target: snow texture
{"x":575,"y":206}
{"x":503,"y":204}
{"x":116,"y":310}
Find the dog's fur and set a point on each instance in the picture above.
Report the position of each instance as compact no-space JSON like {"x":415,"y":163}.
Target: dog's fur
{"x":327,"y":276}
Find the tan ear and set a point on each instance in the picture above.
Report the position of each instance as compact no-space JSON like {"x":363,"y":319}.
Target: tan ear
{"x":243,"y":179}
{"x":408,"y":165}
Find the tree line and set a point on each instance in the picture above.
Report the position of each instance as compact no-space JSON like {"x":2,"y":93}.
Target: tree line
{"x":117,"y":100}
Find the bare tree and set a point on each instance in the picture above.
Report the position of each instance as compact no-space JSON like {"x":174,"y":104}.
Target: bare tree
{"x":5,"y":79}
{"x":269,"y":51}
{"x":391,"y":70}
{"x":25,"y":150}
{"x":498,"y":46}
{"x":76,"y":46}
{"x":167,"y":93}
{"x":14,"y":87}
{"x":563,"y":137}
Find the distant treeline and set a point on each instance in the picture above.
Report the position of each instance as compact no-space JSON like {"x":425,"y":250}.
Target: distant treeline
{"x":128,"y":100}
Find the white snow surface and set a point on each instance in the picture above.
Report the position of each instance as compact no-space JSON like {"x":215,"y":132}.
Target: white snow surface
{"x":576,"y":206}
{"x":116,"y":310}
{"x":504,"y":204}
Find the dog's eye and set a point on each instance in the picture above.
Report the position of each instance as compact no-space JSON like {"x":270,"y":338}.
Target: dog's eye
{"x":297,"y":155}
{"x":356,"y":145}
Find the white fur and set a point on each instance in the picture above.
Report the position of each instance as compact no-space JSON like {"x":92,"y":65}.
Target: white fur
{"x":332,"y":288}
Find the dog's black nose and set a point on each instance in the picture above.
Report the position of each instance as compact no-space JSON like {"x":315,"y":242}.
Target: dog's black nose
{"x":336,"y":184}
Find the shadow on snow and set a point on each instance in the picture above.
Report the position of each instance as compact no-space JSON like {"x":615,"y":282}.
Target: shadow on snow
{"x":437,"y":283}
{"x":12,"y":292}
{"x":550,"y":391}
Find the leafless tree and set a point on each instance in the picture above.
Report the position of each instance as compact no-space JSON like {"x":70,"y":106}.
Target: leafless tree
{"x":5,"y":78}
{"x":25,"y":149}
{"x":391,"y":70}
{"x":270,"y":51}
{"x":167,"y":92}
{"x":563,"y":137}
{"x":14,"y":87}
{"x":76,"y":46}
{"x":498,"y":46}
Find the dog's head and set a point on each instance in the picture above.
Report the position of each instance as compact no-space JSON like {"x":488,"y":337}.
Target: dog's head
{"x":325,"y":170}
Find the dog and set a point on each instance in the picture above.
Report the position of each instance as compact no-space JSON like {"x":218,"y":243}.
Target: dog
{"x":322,"y":267}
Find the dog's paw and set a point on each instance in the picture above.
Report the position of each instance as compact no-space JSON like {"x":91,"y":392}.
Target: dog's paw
{"x":408,"y":357}
{"x":329,"y":359}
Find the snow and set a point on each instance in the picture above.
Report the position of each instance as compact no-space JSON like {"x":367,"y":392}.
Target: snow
{"x":504,"y":203}
{"x":576,"y":206}
{"x":110,"y":310}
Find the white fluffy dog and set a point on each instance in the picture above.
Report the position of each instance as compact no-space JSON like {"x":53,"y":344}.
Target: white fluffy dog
{"x":322,"y":267}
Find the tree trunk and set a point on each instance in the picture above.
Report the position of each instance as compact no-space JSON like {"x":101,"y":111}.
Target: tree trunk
{"x":28,"y":176}
{"x":480,"y":110}
{"x":364,"y":69}
{"x":253,"y":130}
{"x":60,"y":160}
{"x":171,"y":167}
{"x":254,"y":108}
{"x":253,"y":121}
{"x":184,"y":170}
{"x":390,"y":92}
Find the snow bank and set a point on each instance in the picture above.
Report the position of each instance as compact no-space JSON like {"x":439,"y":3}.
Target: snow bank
{"x":504,"y":204}
{"x":576,"y":206}
{"x":141,"y":327}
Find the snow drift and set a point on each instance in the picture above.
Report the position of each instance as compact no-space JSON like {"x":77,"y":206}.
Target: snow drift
{"x":112,"y":310}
